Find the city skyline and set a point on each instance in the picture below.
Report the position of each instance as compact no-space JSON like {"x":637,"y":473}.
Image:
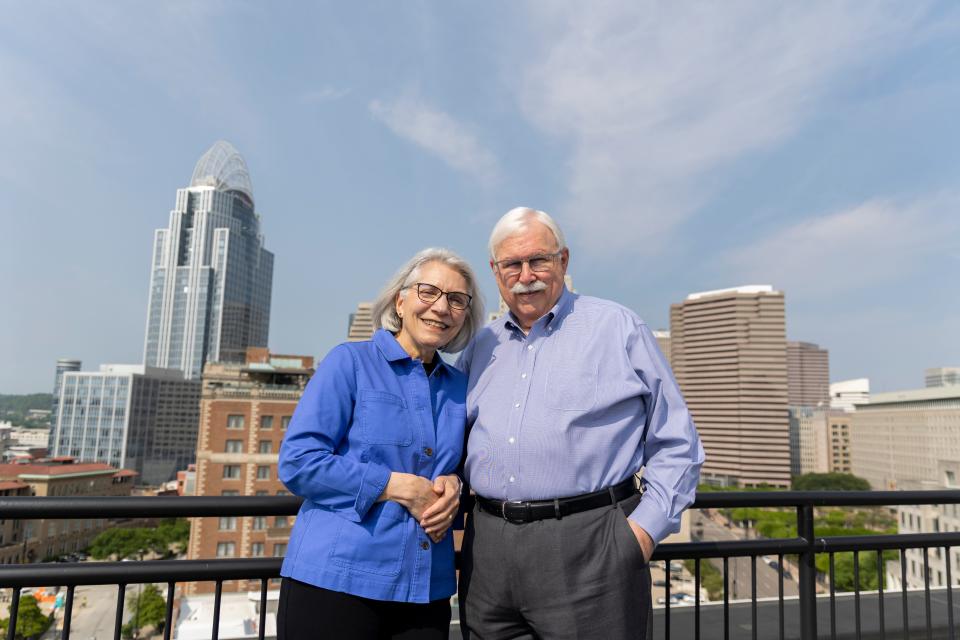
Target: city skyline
{"x":677,"y":154}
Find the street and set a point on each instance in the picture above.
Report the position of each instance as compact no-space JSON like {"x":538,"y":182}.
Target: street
{"x":739,"y":577}
{"x":94,"y":612}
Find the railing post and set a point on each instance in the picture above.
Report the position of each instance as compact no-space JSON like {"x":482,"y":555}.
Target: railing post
{"x":808,"y":574}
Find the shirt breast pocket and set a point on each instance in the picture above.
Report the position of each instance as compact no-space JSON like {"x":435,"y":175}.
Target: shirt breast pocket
{"x":384,"y":419}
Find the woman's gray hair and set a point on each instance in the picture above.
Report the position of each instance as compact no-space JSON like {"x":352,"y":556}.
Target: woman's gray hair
{"x":518,"y":219}
{"x":385,"y":308}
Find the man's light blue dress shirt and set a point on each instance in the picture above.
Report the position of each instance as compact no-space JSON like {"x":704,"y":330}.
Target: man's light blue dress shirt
{"x":580,"y":403}
{"x":368,"y":410}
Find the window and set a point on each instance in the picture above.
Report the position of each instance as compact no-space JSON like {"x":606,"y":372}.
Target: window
{"x":234,"y":446}
{"x":284,"y":421}
{"x":280,"y":522}
{"x":229,"y":492}
{"x":259,"y":523}
{"x":231,"y":471}
{"x":226,"y":549}
{"x":951,"y":479}
{"x":266,"y":446}
{"x":228,"y":523}
{"x":266,"y":422}
{"x":279,"y":549}
{"x":263,"y":472}
{"x":256,"y":550}
{"x":234,"y":422}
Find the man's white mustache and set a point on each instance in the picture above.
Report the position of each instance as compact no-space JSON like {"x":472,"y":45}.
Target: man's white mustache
{"x":539,"y":285}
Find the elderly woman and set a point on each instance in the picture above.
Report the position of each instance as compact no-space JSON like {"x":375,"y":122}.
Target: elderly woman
{"x":372,"y":448}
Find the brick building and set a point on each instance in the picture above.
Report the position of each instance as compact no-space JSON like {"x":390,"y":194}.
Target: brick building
{"x":32,"y":540}
{"x":244,"y":412}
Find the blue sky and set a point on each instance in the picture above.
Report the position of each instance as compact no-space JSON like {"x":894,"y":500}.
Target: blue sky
{"x":682,"y":146}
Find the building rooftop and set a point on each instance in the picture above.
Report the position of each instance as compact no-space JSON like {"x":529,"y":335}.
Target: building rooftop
{"x":914,"y":395}
{"x":223,"y":168}
{"x":50,"y":468}
{"x":743,"y":289}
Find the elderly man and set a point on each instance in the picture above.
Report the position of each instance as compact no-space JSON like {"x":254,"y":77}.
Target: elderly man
{"x":568,"y":399}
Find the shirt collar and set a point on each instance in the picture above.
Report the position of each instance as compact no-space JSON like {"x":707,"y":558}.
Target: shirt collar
{"x":392,"y":351}
{"x":558,"y":310}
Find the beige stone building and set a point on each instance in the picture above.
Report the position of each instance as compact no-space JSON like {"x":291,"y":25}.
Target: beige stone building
{"x":244,"y":412}
{"x":23,"y":541}
{"x":729,"y":355}
{"x":909,"y":440}
{"x":808,"y":375}
{"x":819,"y":441}
{"x":904,"y":439}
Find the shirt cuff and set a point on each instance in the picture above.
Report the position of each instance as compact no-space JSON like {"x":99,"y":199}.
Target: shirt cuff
{"x":649,"y":516}
{"x":374,"y":481}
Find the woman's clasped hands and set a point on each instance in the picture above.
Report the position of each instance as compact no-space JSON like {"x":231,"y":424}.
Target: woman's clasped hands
{"x":433,"y":503}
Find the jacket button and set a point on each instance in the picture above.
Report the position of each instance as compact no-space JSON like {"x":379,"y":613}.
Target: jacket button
{"x":428,"y":451}
{"x":424,"y":545}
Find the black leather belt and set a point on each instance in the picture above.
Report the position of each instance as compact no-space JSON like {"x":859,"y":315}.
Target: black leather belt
{"x":519,"y":511}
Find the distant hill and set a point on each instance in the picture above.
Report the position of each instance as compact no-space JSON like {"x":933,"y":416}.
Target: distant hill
{"x":15,"y":408}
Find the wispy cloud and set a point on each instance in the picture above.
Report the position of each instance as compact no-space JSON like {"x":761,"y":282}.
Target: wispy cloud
{"x":441,"y":134}
{"x":865,"y":246}
{"x":655,"y":97}
{"x":324,"y":94}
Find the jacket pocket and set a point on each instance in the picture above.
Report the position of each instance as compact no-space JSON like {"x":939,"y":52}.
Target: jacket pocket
{"x":384,"y":419}
{"x":375,"y":545}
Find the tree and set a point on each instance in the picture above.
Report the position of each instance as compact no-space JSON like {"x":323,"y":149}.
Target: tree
{"x":830,"y":482}
{"x":31,"y":622}
{"x":137,"y":542}
{"x":149,"y":610}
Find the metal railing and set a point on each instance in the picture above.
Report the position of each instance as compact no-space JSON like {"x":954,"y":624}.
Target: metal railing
{"x":805,"y":546}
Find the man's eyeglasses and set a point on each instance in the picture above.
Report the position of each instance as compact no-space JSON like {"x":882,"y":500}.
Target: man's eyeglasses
{"x":430,"y":294}
{"x":538,"y":264}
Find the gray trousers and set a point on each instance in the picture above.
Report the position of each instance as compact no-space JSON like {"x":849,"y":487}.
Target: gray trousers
{"x":582,"y":576}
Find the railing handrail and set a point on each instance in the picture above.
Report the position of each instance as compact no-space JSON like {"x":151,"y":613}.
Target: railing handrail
{"x":66,"y":507}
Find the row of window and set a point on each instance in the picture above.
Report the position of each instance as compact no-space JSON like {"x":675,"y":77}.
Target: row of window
{"x":232,"y":472}
{"x":229,"y":549}
{"x":259,"y":523}
{"x":236,"y":446}
{"x":266,"y":422}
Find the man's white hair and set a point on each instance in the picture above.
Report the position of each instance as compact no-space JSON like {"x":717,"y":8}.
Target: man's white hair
{"x":517,"y":220}
{"x":385,"y":308}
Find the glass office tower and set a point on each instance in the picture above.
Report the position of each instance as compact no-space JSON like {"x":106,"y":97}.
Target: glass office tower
{"x":211,"y":278}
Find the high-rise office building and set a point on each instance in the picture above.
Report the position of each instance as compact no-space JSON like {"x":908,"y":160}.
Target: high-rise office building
{"x":129,"y":416}
{"x":211,"y":278}
{"x":63,"y":365}
{"x":808,"y":375}
{"x":244,"y":414}
{"x":942,"y":376}
{"x":360,"y":327}
{"x":730,"y":358}
{"x":847,"y":394}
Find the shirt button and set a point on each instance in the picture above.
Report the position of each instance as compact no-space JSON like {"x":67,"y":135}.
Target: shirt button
{"x":529,"y":347}
{"x":516,"y":405}
{"x":428,"y":451}
{"x":523,"y":375}
{"x":424,"y":545}
{"x":511,"y":440}
{"x":512,"y":478}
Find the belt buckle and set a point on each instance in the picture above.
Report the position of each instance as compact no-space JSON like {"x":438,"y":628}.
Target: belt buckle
{"x":503,"y":510}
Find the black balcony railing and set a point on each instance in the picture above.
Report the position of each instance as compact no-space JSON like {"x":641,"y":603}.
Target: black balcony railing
{"x":702,"y":620}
